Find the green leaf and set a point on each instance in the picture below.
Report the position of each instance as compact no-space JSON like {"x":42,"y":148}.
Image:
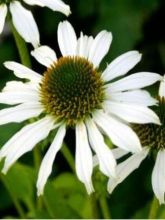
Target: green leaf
{"x":69,"y":195}
{"x":57,"y":205}
{"x":20,"y":182}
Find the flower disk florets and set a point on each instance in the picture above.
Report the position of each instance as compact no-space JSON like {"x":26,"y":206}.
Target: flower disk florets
{"x":72,"y":89}
{"x":153,"y":135}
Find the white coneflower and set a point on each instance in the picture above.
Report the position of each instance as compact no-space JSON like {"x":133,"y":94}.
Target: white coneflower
{"x":152,"y":138}
{"x":73,"y":92}
{"x":23,"y":19}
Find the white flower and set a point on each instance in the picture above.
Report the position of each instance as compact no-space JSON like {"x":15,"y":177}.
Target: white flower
{"x":23,"y":19}
{"x":73,"y":92}
{"x":153,"y":139}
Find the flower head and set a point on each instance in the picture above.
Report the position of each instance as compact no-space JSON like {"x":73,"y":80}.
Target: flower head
{"x":74,"y":92}
{"x":152,"y":138}
{"x":23,"y":19}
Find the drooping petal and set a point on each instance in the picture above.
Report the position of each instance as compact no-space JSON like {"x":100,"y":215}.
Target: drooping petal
{"x":67,"y":39}
{"x":121,"y":65}
{"x":106,"y":159}
{"x":139,"y":97}
{"x":47,"y":162}
{"x":24,"y":23}
{"x":120,"y":134}
{"x":134,"y":81}
{"x":132,"y":112}
{"x":23,"y":72}
{"x":83,"y":45}
{"x":3,"y":13}
{"x":125,"y":168}
{"x":100,"y":47}
{"x":162,"y":88}
{"x":20,"y":113}
{"x":158,"y":177}
{"x":84,"y":163}
{"x":25,"y":140}
{"x":44,"y":55}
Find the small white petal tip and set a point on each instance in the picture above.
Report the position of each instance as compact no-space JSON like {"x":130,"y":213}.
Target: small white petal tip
{"x":39,"y":192}
{"x":89,"y":188}
{"x":4,"y":170}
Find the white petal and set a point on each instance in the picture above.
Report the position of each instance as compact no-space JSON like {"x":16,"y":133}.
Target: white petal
{"x":23,"y":72}
{"x":25,"y":140}
{"x":117,"y":152}
{"x":44,"y":55}
{"x":57,"y":5}
{"x":24,"y":23}
{"x":13,"y":86}
{"x":3,"y":13}
{"x":84,"y":163}
{"x":67,"y":39}
{"x":12,"y":98}
{"x":162,"y":88}
{"x":20,"y":113}
{"x":47,"y":162}
{"x":34,"y":2}
{"x":120,"y":134}
{"x":83,"y":45}
{"x":100,"y":47}
{"x":134,"y":81}
{"x":16,"y":92}
{"x":158,"y":177}
{"x":121,"y":65}
{"x":106,"y":159}
{"x":132,"y":113}
{"x":139,"y":97}
{"x":125,"y":168}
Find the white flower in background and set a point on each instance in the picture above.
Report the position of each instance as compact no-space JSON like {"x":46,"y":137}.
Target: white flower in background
{"x":73,"y":92}
{"x":23,"y":19}
{"x":153,"y":140}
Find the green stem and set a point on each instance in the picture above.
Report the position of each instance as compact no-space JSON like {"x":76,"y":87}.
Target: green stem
{"x":14,"y":199}
{"x":153,"y":209}
{"x":21,"y":46}
{"x":93,"y":201}
{"x":104,"y":208}
{"x":68,"y":156}
{"x":37,"y":158}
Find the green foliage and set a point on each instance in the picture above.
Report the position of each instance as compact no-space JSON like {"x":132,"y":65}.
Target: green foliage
{"x":65,"y":196}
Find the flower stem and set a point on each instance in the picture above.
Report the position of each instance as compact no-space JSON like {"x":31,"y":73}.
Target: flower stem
{"x":153,"y":209}
{"x":15,"y":200}
{"x":37,"y":158}
{"x":104,"y":207}
{"x":94,"y":205}
{"x":21,"y":46}
{"x":68,"y":156}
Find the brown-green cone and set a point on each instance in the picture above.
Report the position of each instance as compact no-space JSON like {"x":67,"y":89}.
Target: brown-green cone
{"x":71,"y":89}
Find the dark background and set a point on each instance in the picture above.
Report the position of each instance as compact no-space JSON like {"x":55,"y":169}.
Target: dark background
{"x":135,"y":25}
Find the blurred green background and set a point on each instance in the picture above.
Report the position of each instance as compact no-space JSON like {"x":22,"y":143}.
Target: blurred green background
{"x":135,"y":24}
